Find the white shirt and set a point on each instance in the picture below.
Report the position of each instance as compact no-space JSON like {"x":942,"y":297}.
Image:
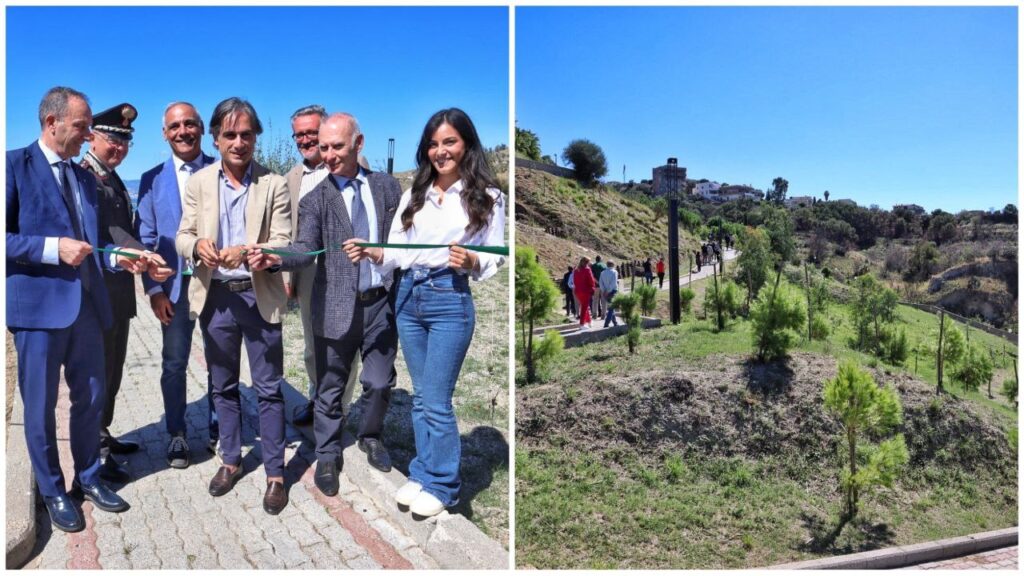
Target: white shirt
{"x":443,"y":223}
{"x":347,"y":193}
{"x":51,"y":244}
{"x":184,"y":175}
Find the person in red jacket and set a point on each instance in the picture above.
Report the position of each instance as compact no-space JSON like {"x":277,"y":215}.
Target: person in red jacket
{"x":661,"y":271}
{"x":584,"y":285}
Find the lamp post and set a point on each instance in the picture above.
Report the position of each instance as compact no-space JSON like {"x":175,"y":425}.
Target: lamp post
{"x":672,"y":178}
{"x":391,"y":155}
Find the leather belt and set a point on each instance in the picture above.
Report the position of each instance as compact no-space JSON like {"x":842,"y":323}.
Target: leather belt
{"x":235,"y":285}
{"x":371,"y":294}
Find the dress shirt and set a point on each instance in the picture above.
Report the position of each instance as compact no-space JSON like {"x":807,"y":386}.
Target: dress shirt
{"x":51,"y":244}
{"x":442,"y":223}
{"x":183,"y":175}
{"x":231,"y":231}
{"x":347,"y":192}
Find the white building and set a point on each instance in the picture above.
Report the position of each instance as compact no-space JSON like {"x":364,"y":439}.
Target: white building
{"x":706,"y":189}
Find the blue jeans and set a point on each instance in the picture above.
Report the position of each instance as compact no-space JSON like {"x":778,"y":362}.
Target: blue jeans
{"x":435,"y":317}
{"x":609,"y":317}
{"x":177,"y":345}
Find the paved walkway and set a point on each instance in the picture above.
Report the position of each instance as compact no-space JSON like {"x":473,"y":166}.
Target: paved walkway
{"x":175,"y":523}
{"x":998,"y":559}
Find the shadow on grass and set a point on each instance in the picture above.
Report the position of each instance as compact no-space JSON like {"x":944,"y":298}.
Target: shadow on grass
{"x":861,"y":535}
{"x":767,"y":378}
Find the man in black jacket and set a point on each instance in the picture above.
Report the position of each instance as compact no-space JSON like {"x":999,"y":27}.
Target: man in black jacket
{"x":112,"y":136}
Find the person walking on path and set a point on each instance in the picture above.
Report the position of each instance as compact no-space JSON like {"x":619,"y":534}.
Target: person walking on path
{"x":609,"y":285}
{"x":583,"y":287}
{"x":566,"y":286}
{"x":648,"y":272}
{"x":661,"y":272}
{"x":596,"y":304}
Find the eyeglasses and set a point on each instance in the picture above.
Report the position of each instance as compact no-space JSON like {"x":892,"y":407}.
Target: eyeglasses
{"x":309,"y":134}
{"x":113,"y":141}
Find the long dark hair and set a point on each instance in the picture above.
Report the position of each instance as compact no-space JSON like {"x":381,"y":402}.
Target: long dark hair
{"x":474,"y":171}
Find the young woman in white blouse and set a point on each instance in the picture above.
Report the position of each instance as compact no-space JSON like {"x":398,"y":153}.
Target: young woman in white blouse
{"x":454,"y":200}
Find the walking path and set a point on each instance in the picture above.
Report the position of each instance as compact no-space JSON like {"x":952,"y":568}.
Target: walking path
{"x":175,"y":523}
{"x":998,"y":559}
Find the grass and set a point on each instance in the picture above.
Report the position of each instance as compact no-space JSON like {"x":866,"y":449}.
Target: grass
{"x":626,"y":509}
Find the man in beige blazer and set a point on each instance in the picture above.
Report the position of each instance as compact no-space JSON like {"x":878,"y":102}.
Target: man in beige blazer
{"x":230,"y":207}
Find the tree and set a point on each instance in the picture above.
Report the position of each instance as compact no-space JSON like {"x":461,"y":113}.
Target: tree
{"x":527,"y":144}
{"x":923,"y":261}
{"x":686,"y":296}
{"x":874,"y":306}
{"x":536,"y":294}
{"x":952,"y":346}
{"x":647,"y":293}
{"x":974,"y":369}
{"x":864,"y":408}
{"x":755,"y":260}
{"x":777,"y":315}
{"x":826,"y":195}
{"x":627,"y":304}
{"x":275,"y":153}
{"x":777,"y":194}
{"x":942,"y":228}
{"x":587,"y":160}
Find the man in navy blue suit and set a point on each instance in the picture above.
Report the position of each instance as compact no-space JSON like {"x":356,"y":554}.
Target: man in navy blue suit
{"x":156,"y":224}
{"x":57,"y":304}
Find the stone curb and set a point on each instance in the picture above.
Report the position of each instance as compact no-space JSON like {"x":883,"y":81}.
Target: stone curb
{"x":21,"y":494}
{"x":899,"y":556}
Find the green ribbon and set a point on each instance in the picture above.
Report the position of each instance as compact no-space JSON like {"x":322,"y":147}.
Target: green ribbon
{"x":131,"y":255}
{"x":499,"y":250}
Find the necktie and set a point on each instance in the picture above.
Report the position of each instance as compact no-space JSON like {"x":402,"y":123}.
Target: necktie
{"x":361,"y":229}
{"x":66,"y":175}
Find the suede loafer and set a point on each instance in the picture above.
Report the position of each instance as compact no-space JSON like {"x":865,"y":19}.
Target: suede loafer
{"x":275,"y":498}
{"x":224,"y":480}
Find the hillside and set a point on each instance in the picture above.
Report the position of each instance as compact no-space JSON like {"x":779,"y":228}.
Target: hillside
{"x":562,"y":221}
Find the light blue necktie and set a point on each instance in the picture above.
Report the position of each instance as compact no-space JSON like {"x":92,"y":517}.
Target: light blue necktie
{"x":361,"y":229}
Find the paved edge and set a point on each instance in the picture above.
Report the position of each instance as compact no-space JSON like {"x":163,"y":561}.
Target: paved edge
{"x":451,"y":540}
{"x":21,"y":494}
{"x":900,"y":556}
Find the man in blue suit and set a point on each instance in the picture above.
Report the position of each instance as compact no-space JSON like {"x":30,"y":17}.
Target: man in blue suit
{"x":57,"y":304}
{"x":156,"y":224}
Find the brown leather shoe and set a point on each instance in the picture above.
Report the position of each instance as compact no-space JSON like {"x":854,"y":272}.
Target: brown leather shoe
{"x":275,"y":498}
{"x":224,"y":480}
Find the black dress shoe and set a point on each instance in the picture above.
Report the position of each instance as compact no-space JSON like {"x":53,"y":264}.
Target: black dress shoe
{"x":120,"y":446}
{"x":326,"y":477}
{"x":113,"y":471}
{"x":376,"y":453}
{"x":101,"y":497}
{"x":275,"y":498}
{"x":63,"y":513}
{"x":303,"y":415}
{"x":224,"y":480}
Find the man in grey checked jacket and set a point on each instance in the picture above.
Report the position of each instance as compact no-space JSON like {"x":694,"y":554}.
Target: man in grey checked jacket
{"x":351,"y":304}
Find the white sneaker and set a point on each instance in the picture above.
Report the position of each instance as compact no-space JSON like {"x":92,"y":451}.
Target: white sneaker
{"x":406,"y":494}
{"x":426,"y":505}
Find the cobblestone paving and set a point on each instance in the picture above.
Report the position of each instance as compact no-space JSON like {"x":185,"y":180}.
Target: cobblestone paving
{"x":998,"y":559}
{"x":174,"y":523}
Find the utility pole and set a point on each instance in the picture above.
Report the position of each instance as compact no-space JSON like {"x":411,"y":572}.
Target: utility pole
{"x":391,"y":155}
{"x":673,"y":176}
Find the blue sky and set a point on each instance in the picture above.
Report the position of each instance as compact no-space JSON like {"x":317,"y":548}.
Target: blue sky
{"x":391,"y":67}
{"x":881,"y":105}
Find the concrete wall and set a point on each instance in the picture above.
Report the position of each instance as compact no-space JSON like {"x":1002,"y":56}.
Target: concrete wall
{"x":550,"y":169}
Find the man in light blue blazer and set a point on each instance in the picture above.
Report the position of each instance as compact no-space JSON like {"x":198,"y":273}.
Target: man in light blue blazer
{"x":156,"y":223}
{"x":57,"y":303}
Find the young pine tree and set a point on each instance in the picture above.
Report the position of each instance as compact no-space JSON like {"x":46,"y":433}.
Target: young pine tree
{"x":864,"y":409}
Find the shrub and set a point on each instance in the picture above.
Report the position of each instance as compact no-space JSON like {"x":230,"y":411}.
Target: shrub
{"x":777,"y":315}
{"x":627,"y":304}
{"x":547,"y":350}
{"x":865,"y":408}
{"x":536,"y":294}
{"x":647,"y":294}
{"x":686,"y":296}
{"x":819,"y":328}
{"x":893,"y":347}
{"x":1010,"y":390}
